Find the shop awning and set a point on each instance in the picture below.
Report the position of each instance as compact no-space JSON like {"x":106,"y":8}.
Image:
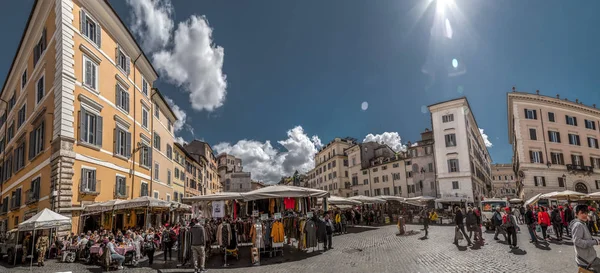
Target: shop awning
{"x":180,"y":207}
{"x":367,"y":199}
{"x":45,"y":219}
{"x":279,"y":191}
{"x":391,"y":198}
{"x":143,"y":202}
{"x":340,"y":201}
{"x":221,"y":196}
{"x":533,"y":199}
{"x":421,"y":198}
{"x":102,"y":206}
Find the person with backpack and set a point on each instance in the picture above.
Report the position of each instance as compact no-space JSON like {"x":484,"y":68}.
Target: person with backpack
{"x":168,"y":239}
{"x":497,"y":221}
{"x":530,"y":222}
{"x":556,"y":222}
{"x":509,"y":224}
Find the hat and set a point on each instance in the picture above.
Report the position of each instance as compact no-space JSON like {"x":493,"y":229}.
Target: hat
{"x":507,"y":209}
{"x":167,"y":225}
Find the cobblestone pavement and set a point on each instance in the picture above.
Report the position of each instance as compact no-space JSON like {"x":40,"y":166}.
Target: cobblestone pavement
{"x":380,"y":250}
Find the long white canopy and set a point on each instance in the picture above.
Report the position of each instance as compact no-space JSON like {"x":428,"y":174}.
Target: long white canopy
{"x":45,"y":219}
{"x":280,"y":191}
{"x":421,"y":198}
{"x":221,"y":196}
{"x":144,"y":201}
{"x":533,"y":199}
{"x":340,"y":201}
{"x":367,"y":199}
{"x":391,"y":198}
{"x":102,"y":206}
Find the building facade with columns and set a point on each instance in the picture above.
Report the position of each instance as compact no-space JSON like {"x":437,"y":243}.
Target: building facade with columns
{"x":555,"y":143}
{"x":462,"y":159}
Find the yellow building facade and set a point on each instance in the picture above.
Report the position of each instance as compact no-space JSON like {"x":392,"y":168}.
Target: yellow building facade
{"x":78,"y":124}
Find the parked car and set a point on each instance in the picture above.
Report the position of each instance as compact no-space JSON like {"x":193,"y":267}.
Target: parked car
{"x":10,"y":248}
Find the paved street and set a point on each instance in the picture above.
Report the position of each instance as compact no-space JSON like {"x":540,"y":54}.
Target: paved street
{"x":380,"y":250}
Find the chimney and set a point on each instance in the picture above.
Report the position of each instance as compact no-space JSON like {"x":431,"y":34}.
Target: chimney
{"x":408,"y":143}
{"x":576,"y":100}
{"x":537,"y":92}
{"x":594,"y":105}
{"x":514,"y":89}
{"x":566,"y":99}
{"x":557,"y":96}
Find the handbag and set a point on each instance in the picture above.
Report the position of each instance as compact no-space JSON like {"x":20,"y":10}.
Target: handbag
{"x":459,"y":235}
{"x":550,"y":230}
{"x":538,"y":228}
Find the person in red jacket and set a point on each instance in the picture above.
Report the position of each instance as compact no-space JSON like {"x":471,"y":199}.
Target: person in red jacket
{"x":544,"y":221}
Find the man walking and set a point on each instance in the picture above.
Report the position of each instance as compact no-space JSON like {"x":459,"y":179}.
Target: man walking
{"x":425,"y":216}
{"x":41,"y":246}
{"x":460,"y":226}
{"x":329,"y":232}
{"x":509,"y":225}
{"x":497,"y":220}
{"x":198,"y":245}
{"x":585,"y":254}
{"x":556,"y":222}
{"x":530,"y":222}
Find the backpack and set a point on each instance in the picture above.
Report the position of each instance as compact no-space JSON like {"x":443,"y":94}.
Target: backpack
{"x":165,"y":236}
{"x":507,"y":221}
{"x":173,"y":236}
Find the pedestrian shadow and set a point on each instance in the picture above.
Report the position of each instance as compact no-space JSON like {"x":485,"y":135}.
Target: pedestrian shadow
{"x":518,"y":251}
{"x":423,"y":238}
{"x":543,"y":246}
{"x":462,"y":248}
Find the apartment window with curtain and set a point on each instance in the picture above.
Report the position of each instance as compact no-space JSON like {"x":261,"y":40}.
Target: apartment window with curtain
{"x":592,"y":142}
{"x":455,"y":185}
{"x":530,"y":114}
{"x":574,"y":139}
{"x":595,"y":162}
{"x":571,"y":120}
{"x":448,"y":118}
{"x":554,"y":136}
{"x":551,"y":117}
{"x":89,"y":28}
{"x":590,"y":124}
{"x":577,"y":160}
{"x":539,"y":181}
{"x":453,"y":165}
{"x":536,"y":157}
{"x":450,"y":140}
{"x":557,"y":158}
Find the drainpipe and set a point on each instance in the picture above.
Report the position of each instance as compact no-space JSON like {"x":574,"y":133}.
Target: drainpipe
{"x":134,"y":113}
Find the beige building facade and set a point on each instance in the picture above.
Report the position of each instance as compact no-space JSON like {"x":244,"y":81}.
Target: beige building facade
{"x":203,"y":153}
{"x":163,"y":139}
{"x":504,"y":184}
{"x":555,"y":143}
{"x":331,"y":168}
{"x":231,"y":174}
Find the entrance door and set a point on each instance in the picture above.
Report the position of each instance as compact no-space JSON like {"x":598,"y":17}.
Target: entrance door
{"x":581,"y":187}
{"x":140,"y":220}
{"x":119,"y":221}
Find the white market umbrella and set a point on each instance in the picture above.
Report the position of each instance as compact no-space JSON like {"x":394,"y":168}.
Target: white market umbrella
{"x":221,"y":196}
{"x":421,"y":198}
{"x":144,"y":201}
{"x":102,"y":206}
{"x":44,"y":219}
{"x":340,"y":201}
{"x":280,"y":191}
{"x":569,"y":195}
{"x":533,"y":199}
{"x":549,"y":195}
{"x":391,"y":198}
{"x":367,"y":199}
{"x":593,"y":196}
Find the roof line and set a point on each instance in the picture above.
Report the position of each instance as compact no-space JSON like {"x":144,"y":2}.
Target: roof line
{"x":156,"y":91}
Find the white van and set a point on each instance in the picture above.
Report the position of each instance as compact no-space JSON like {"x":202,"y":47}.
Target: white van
{"x":488,"y":207}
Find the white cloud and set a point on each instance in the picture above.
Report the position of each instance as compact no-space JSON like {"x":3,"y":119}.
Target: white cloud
{"x":487,"y":142}
{"x":414,"y":144}
{"x":152,"y":22}
{"x":392,"y":139}
{"x":180,"y":140}
{"x":317,"y":142}
{"x":269,"y":164}
{"x":179,"y":113}
{"x":195,"y":63}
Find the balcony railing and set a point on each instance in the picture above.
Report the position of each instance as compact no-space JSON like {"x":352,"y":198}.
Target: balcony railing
{"x":579,"y":168}
{"x":121,"y":192}
{"x":14,"y":205}
{"x":89,"y":186}
{"x":32,"y":196}
{"x":3,"y":209}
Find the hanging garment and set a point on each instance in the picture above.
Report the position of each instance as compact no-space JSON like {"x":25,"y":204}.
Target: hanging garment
{"x":321,"y":231}
{"x":310,"y":231}
{"x":272,"y":206}
{"x":289,"y":203}
{"x":233,"y":242}
{"x":277,"y":232}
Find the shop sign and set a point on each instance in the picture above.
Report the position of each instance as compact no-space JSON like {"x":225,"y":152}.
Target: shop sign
{"x":255,"y":213}
{"x":264,"y":216}
{"x":277,"y":216}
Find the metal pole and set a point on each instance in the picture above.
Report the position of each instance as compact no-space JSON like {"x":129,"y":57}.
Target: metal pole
{"x":31,"y":263}
{"x":16,"y":247}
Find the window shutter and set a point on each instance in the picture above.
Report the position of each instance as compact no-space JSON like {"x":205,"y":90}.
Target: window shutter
{"x":589,"y":142}
{"x":83,"y":179}
{"x":535,"y":180}
{"x":82,"y":19}
{"x":128,"y":65}
{"x":575,"y":121}
{"x":531,"y":156}
{"x":116,"y":140}
{"x":541,"y":157}
{"x":117,"y":54}
{"x":99,"y":130}
{"x":88,"y":73}
{"x":558,"y":136}
{"x":573,"y":159}
{"x":41,"y":138}
{"x":562,"y":159}
{"x":550,"y":135}
{"x":128,"y":145}
{"x":525,"y":113}
{"x":534,"y":114}
{"x":98,"y":35}
{"x":543,"y":181}
{"x":127,"y":101}
{"x":117,"y":186}
{"x":118,"y":96}
{"x":449,"y":166}
{"x":578,"y":142}
{"x":31,"y":144}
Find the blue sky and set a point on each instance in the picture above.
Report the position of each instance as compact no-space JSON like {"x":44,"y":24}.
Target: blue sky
{"x":270,"y":66}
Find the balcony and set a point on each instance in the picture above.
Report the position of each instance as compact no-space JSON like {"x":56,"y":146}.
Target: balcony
{"x":89,"y":186}
{"x":15,"y":203}
{"x":3,"y":209}
{"x":32,"y":196}
{"x":580,"y":168}
{"x":121,"y":192}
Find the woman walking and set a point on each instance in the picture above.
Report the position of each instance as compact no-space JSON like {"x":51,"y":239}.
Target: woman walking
{"x":544,"y":222}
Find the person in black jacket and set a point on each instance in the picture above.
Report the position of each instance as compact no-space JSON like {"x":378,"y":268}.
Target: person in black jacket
{"x":568,"y":218}
{"x":460,"y":226}
{"x":530,"y":222}
{"x":556,"y":222}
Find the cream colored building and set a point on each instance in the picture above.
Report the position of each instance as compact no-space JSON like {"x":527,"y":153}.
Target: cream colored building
{"x":203,"y":153}
{"x":331,"y":168}
{"x":163,"y":139}
{"x":555,"y":143}
{"x":504,"y":184}
{"x":231,"y":173}
{"x":375,"y":169}
{"x":76,"y":127}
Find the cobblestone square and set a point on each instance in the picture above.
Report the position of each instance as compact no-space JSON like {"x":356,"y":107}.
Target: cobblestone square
{"x":381,"y":250}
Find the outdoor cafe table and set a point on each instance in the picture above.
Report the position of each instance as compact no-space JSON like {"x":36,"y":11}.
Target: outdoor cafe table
{"x":96,"y":249}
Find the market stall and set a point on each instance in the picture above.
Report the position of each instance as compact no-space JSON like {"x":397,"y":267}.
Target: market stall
{"x":45,"y":219}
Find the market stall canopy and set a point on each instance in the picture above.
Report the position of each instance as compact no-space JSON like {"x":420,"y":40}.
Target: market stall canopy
{"x":340,"y":201}
{"x":45,"y":219}
{"x":221,"y":196}
{"x":279,"y":191}
{"x":568,"y":195}
{"x":549,"y":195}
{"x":180,"y":207}
{"x":533,"y":199}
{"x":391,"y":198}
{"x":102,"y":206}
{"x":593,"y":196}
{"x":421,"y":198}
{"x":143,"y":202}
{"x":516,"y":200}
{"x":367,"y":199}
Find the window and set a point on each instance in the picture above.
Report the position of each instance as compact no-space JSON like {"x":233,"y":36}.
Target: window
{"x":346,"y":173}
{"x":334,"y":174}
{"x":432,"y":185}
{"x":430,"y":167}
{"x":408,"y":174}
{"x":408,"y":163}
{"x":89,"y":28}
{"x":385,"y":178}
{"x":597,"y":184}
{"x":22,"y":115}
{"x":386,"y":191}
{"x":155,"y":194}
{"x":396,"y":176}
{"x":333,"y":163}
{"x":122,"y":142}
{"x":395,"y":165}
{"x":8,"y":166}
{"x":384,"y":168}
{"x":354,"y":180}
{"x":366,"y":182}
{"x":156,"y":141}
{"x":11,"y":102}
{"x":144,"y":87}
{"x":24,"y":79}
{"x":532,"y":134}
{"x":571,"y":120}
{"x":90,"y":73}
{"x":123,"y":61}
{"x":453,"y":165}
{"x":539,"y":181}
{"x":551,"y":117}
{"x":557,"y":158}
{"x":19,"y":156}
{"x":144,"y":117}
{"x":367,"y":193}
{"x":590,"y":124}
{"x":90,"y":127}
{"x":530,"y":114}
{"x":455,"y":185}
{"x":169,"y":151}
{"x":40,"y":90}
{"x":168,"y":177}
{"x":448,"y":118}
{"x":536,"y":157}
{"x":156,"y":171}
{"x":345,"y":162}
{"x":377,"y":192}
{"x":88,"y":180}
{"x":450,"y":140}
{"x":121,"y":186}
{"x":122,"y":98}
{"x":376,"y":179}
{"x":595,"y":162}
{"x":10,"y":133}
{"x":574,"y":139}
{"x":577,"y":160}
{"x":156,"y":110}
{"x":592,"y":142}
{"x":145,"y":155}
{"x":554,"y":136}
{"x":39,"y":48}
{"x":364,"y":172}
{"x":374,"y":170}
